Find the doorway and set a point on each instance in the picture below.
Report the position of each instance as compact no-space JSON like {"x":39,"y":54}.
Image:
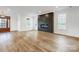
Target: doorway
{"x":4,"y":23}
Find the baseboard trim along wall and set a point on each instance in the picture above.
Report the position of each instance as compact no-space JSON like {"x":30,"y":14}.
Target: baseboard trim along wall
{"x":67,"y":35}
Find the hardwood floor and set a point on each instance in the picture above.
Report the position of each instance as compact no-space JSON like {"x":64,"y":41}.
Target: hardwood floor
{"x":36,"y":41}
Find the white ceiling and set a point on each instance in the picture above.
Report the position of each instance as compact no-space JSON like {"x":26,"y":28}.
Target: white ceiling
{"x":32,"y":9}
{"x":29,"y":9}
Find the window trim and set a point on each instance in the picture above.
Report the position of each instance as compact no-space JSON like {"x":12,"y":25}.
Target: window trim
{"x":61,"y":16}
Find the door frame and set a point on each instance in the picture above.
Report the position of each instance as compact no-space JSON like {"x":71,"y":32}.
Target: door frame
{"x":7,"y":29}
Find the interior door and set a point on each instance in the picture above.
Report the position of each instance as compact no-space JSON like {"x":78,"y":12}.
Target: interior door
{"x":4,"y":24}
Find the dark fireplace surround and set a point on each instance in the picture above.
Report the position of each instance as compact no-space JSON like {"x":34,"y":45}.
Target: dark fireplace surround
{"x":45,"y":22}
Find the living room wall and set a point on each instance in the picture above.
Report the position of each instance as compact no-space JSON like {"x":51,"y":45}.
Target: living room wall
{"x":72,"y":21}
{"x":13,"y":17}
{"x":24,"y":22}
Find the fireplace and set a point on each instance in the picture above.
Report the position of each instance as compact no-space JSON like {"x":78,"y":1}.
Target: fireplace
{"x":45,"y":26}
{"x":45,"y":22}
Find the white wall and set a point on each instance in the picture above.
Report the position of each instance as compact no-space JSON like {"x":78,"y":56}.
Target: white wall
{"x":18,"y":20}
{"x":14,"y":22}
{"x":24,"y":23}
{"x":72,"y":18}
{"x":13,"y":17}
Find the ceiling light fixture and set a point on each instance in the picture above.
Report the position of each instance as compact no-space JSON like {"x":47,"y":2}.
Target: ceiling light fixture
{"x":56,"y":6}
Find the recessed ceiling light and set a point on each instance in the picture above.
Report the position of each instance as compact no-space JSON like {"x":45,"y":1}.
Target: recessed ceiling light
{"x":56,"y":6}
{"x":39,"y":12}
{"x":8,"y":9}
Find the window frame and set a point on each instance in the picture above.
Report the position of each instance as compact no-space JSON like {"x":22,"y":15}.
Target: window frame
{"x":62,"y":20}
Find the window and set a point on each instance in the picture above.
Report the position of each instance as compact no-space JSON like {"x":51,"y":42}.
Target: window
{"x":2,"y":23}
{"x":62,"y":21}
